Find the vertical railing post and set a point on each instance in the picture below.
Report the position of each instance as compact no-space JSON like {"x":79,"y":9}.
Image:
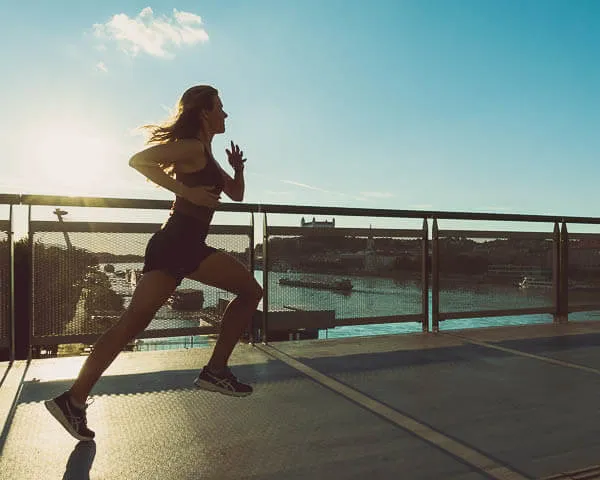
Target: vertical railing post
{"x":11,"y":283}
{"x":251,"y":328}
{"x":435,"y":278}
{"x":425,"y":276}
{"x":31,"y":295}
{"x":265,"y":252}
{"x":556,"y":249}
{"x":23,"y":299}
{"x":564,"y":274}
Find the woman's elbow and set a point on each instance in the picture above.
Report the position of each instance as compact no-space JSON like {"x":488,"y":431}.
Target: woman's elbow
{"x":134,"y":161}
{"x":140,"y":163}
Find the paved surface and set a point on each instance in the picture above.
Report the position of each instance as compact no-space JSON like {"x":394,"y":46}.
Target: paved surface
{"x":502,"y":403}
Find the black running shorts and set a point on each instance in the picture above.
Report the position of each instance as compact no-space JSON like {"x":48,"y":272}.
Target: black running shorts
{"x":178,"y":248}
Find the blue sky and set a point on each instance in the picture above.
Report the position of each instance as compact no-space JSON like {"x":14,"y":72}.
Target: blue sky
{"x":459,"y":105}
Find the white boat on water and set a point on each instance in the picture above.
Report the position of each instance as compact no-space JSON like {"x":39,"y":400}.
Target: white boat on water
{"x":532,"y":282}
{"x":133,"y":276}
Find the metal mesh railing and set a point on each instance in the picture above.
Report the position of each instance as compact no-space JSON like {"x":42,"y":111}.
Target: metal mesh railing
{"x":584,"y":271}
{"x":495,"y":271}
{"x":84,"y":275}
{"x":472,"y":274}
{"x":5,"y":288}
{"x":363,"y":276}
{"x":501,"y":276}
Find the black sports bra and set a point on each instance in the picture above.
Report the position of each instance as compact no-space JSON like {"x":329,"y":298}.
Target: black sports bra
{"x":210,"y":175}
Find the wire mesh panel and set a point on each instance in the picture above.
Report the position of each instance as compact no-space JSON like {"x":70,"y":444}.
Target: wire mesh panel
{"x":584,"y":270}
{"x":365,"y":276}
{"x":84,"y":275}
{"x":495,"y":271}
{"x":5,"y":290}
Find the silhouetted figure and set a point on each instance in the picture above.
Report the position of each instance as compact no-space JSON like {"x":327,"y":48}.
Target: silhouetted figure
{"x":181,"y":161}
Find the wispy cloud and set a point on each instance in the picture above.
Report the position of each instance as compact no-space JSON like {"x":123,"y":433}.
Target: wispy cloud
{"x":278,"y":194}
{"x":304,"y":185}
{"x":313,"y":188}
{"x":377,"y":194}
{"x":155,"y":36}
{"x":102,"y":67}
{"x":318,"y":189}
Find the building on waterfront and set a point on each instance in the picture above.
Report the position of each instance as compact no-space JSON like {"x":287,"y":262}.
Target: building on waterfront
{"x":376,"y":261}
{"x":317,"y":224}
{"x":584,"y":254}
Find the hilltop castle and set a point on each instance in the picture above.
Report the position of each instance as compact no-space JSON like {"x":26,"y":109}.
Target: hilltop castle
{"x":317,"y":224}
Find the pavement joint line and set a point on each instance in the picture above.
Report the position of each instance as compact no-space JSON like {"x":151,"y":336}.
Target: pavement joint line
{"x":9,"y":396}
{"x":520,"y":353}
{"x":468,"y":455}
{"x":588,"y":473}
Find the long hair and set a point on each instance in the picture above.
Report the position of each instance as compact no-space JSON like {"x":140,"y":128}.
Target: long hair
{"x":186,"y":122}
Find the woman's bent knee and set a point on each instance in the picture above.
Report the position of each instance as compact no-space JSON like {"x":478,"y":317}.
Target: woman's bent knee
{"x":253,"y":291}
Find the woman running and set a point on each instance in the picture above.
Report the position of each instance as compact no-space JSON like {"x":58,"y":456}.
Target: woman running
{"x":181,"y":161}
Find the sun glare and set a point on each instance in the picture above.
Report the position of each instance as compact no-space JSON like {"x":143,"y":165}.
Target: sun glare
{"x":70,"y":160}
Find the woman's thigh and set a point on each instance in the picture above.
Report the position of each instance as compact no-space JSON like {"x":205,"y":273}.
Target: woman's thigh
{"x":151,"y":292}
{"x":223,"y":271}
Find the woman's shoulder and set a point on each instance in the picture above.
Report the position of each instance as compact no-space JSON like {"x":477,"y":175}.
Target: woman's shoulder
{"x":194,"y":155}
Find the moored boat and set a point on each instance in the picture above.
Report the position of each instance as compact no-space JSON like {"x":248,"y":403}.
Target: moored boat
{"x":338,"y":285}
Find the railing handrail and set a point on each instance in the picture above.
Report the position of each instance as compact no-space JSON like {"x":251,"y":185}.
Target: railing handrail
{"x":113,"y":202}
{"x":10,"y":199}
{"x":430,"y":248}
{"x":125,"y":227}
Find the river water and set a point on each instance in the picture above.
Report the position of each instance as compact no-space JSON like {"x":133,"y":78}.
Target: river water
{"x":371,"y":296}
